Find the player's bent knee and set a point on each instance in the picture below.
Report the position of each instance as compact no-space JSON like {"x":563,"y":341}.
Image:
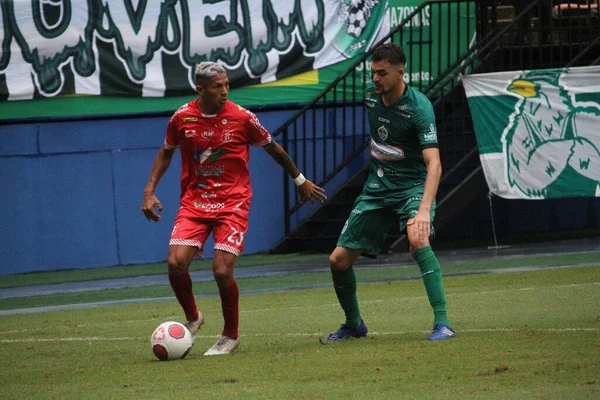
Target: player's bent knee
{"x":222,"y":274}
{"x":177,"y":266}
{"x":337,"y":262}
{"x":415,"y":244}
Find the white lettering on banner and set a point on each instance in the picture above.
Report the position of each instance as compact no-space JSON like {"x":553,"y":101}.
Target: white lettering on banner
{"x":416,"y":76}
{"x":408,"y":76}
{"x":43,"y":40}
{"x":399,"y":14}
{"x":134,"y":37}
{"x":58,"y":39}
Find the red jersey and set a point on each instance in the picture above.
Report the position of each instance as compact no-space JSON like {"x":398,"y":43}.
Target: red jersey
{"x":214,"y":158}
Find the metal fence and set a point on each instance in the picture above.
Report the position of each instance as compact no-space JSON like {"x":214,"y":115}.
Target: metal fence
{"x":442,"y":40}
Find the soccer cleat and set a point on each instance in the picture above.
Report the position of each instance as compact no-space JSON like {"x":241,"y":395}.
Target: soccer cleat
{"x":442,"y":332}
{"x":224,"y":345}
{"x":194,"y":326}
{"x":345,"y":332}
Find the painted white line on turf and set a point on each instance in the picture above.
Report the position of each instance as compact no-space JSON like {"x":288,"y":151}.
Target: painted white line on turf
{"x":90,"y":305}
{"x":300,"y":334}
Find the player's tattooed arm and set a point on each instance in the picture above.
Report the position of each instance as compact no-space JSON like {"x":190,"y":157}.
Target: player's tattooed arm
{"x":282,"y":158}
{"x":306,"y":189}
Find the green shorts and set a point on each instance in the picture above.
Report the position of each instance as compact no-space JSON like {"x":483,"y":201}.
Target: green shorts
{"x":367,"y":227}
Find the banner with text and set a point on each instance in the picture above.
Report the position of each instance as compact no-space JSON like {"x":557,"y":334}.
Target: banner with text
{"x":537,"y":131}
{"x":148,"y":48}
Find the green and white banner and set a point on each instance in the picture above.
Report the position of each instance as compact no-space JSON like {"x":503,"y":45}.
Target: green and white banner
{"x":538,"y":132}
{"x":148,"y":48}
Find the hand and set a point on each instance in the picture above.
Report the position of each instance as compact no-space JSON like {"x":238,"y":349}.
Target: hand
{"x":312,"y":192}
{"x":420,"y":224}
{"x":149,"y":203}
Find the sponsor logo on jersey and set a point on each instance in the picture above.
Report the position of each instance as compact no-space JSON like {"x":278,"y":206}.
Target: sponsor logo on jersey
{"x":207,"y":134}
{"x":190,"y":133}
{"x":217,"y":184}
{"x":210,"y":195}
{"x":392,"y":173}
{"x":190,"y":119}
{"x":381,"y":119}
{"x":403,"y":106}
{"x":208,"y":154}
{"x":210,"y":170}
{"x":382,"y":132}
{"x":430,"y":137}
{"x":209,"y":207}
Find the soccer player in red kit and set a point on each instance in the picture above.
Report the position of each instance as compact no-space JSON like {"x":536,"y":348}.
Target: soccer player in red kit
{"x":213,"y":135}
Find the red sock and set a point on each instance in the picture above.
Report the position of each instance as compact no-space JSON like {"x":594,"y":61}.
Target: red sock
{"x":182,"y":286}
{"x":230,"y":299}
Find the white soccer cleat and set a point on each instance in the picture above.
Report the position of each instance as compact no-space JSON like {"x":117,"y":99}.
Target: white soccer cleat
{"x":224,"y":345}
{"x":194,"y":326}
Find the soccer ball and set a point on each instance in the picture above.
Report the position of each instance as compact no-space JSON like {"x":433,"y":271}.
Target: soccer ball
{"x":356,"y":22}
{"x":171,"y":341}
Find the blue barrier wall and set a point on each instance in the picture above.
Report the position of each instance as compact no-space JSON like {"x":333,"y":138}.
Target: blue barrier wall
{"x":72,"y":191}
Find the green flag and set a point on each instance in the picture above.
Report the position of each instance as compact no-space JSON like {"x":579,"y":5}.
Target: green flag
{"x":538,"y":132}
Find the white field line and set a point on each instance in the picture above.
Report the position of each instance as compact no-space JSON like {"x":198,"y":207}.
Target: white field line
{"x":314,"y":334}
{"x":271,"y":309}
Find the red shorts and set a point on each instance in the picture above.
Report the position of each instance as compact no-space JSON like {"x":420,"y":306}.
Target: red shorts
{"x":228,"y":231}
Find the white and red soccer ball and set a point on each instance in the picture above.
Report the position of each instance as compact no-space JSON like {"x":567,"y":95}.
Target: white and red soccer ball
{"x":171,"y":341}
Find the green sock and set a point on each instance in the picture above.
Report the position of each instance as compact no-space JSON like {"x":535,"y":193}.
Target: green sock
{"x":432,"y":277}
{"x":344,"y":283}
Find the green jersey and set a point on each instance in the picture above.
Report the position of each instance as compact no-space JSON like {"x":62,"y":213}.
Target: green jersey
{"x":399,"y":133}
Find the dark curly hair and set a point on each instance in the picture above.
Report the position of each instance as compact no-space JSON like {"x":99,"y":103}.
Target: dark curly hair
{"x":389,"y":52}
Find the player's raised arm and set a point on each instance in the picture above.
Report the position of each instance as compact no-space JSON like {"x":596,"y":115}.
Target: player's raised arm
{"x":159,"y":167}
{"x":306,"y":189}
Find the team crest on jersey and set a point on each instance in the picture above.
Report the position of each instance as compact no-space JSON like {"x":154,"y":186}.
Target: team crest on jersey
{"x":227,"y":135}
{"x":382,"y":132}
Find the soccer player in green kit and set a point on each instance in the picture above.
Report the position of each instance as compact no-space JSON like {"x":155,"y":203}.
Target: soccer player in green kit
{"x":403,"y":180}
